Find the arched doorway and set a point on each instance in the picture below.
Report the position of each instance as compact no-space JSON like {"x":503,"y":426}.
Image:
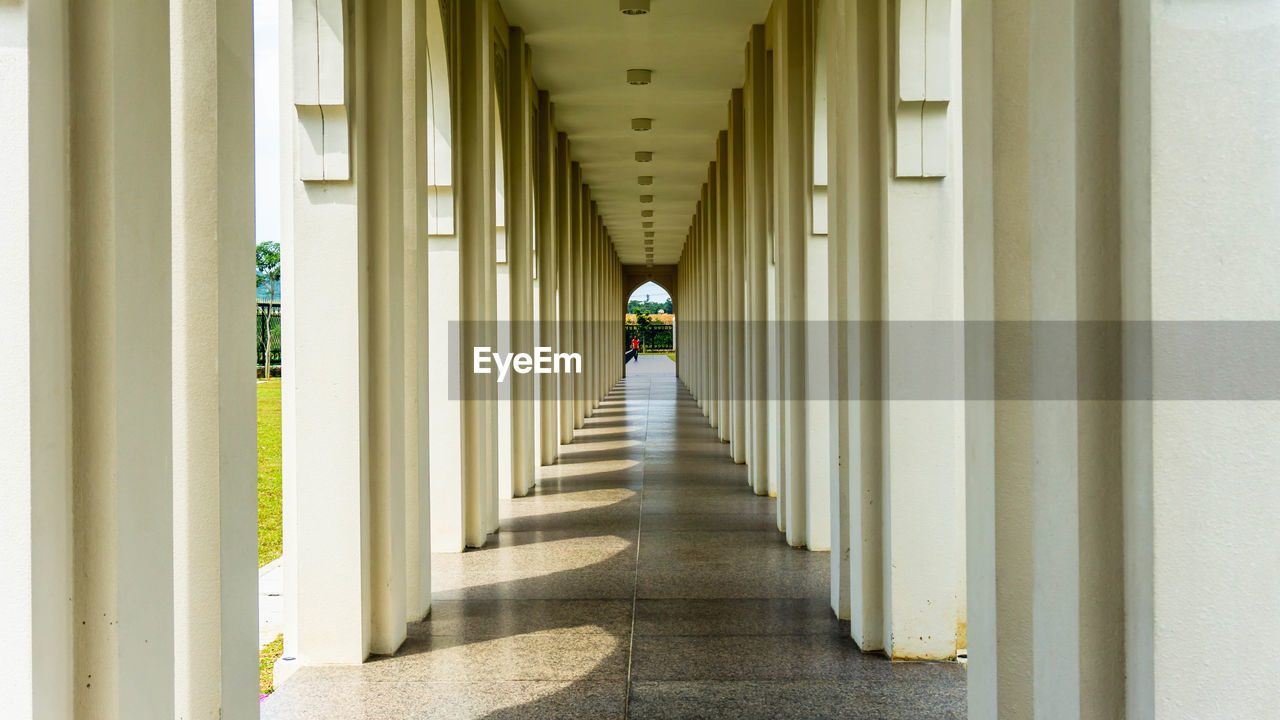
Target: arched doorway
{"x":650,"y":328}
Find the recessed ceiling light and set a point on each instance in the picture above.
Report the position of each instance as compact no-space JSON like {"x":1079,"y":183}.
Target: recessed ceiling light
{"x":641,"y":124}
{"x":645,"y":179}
{"x":644,"y":156}
{"x":646,"y":225}
{"x":646,"y":213}
{"x":639,"y":77}
{"x":646,"y":198}
{"x":634,"y":7}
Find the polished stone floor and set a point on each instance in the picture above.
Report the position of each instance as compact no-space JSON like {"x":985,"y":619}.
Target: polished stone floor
{"x":641,"y":579}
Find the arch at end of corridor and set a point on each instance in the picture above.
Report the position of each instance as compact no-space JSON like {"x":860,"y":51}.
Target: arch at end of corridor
{"x":633,"y":276}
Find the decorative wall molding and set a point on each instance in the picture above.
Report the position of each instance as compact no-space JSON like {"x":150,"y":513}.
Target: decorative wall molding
{"x":924,"y":88}
{"x":319,"y":90}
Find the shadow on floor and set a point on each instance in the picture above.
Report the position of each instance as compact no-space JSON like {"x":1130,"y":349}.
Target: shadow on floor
{"x":639,"y":579}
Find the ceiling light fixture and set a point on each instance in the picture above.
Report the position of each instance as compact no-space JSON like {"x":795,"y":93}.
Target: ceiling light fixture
{"x":641,"y":124}
{"x":634,"y":7}
{"x":646,"y":225}
{"x":646,"y":198}
{"x":644,"y":156}
{"x":639,"y":76}
{"x":645,"y":179}
{"x":649,"y":234}
{"x":646,"y":213}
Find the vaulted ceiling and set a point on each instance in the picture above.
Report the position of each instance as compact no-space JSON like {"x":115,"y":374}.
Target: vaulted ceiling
{"x":582,"y":50}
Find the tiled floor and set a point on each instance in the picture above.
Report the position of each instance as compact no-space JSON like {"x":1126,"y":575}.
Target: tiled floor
{"x":642,"y":579}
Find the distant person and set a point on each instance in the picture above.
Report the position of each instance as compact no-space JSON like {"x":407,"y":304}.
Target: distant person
{"x":635,"y":349}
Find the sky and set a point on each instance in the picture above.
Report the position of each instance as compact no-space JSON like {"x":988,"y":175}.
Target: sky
{"x":266,"y":54}
{"x":653,"y":290}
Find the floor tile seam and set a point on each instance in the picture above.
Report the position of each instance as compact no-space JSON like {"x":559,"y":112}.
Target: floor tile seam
{"x":635,"y":580}
{"x":614,"y":678}
{"x":738,"y":635}
{"x":547,"y":633}
{"x":343,"y":683}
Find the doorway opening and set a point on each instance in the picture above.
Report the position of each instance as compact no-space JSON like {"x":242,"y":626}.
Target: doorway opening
{"x":651,"y":330}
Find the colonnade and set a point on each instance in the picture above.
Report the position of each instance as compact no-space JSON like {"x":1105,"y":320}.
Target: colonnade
{"x":964,"y":374}
{"x":511,"y":255}
{"x":804,"y":244}
{"x":871,"y":296}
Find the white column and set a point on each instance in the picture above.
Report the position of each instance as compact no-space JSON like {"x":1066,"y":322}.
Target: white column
{"x":215,"y":494}
{"x":36,"y":546}
{"x":325,"y":477}
{"x":1046,"y":505}
{"x":822,"y":503}
{"x":578,"y":262}
{"x":450,"y":466}
{"x":1199,"y":244}
{"x":417,"y":414}
{"x":922,"y":305}
{"x":792,"y":153}
{"x":520,"y":230}
{"x":736,"y":232}
{"x":755,"y":126}
{"x":832,"y":147}
{"x":706,"y":235}
{"x":697,"y":326}
{"x":548,"y":199}
{"x":120,"y":362}
{"x":345,"y":531}
{"x":476,"y":217}
{"x":591,"y":277}
{"x":723,"y":264}
{"x":85,"y":279}
{"x":384,"y":225}
{"x":1195,"y":504}
{"x":708,"y":290}
{"x":566,"y":218}
{"x":854,"y":192}
{"x":715,"y":274}
{"x":700,"y":282}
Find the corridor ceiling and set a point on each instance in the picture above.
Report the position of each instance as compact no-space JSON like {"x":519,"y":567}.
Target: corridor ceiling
{"x":582,"y":50}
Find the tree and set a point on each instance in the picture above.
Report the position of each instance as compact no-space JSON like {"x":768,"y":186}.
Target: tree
{"x":644,"y":330}
{"x":268,"y":278}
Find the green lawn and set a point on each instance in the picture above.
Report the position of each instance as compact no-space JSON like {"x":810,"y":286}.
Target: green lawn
{"x":267,"y":663}
{"x":270,"y":522}
{"x":270,"y":541}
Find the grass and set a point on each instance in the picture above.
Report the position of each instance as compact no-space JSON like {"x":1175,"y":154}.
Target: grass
{"x":270,"y":521}
{"x":266,"y":663}
{"x":672,"y":356}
